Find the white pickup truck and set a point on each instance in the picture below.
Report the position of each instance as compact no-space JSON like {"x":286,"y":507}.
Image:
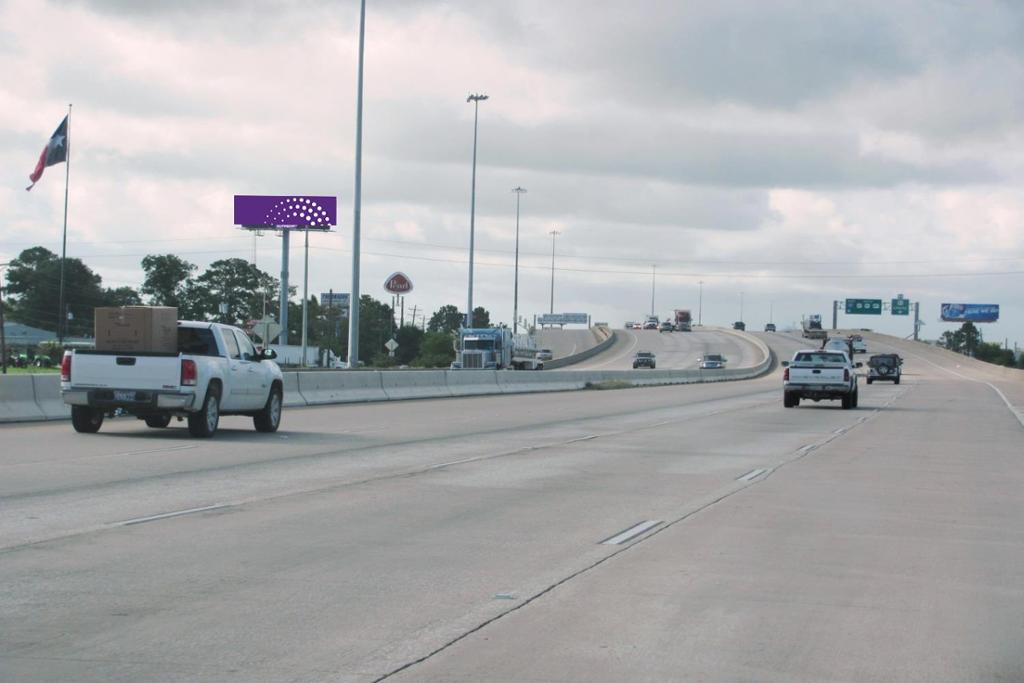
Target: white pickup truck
{"x":820,"y":374}
{"x":216,"y":371}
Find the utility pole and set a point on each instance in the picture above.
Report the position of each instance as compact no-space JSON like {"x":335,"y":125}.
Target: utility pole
{"x":835,"y":314}
{"x":357,"y":198}
{"x":741,"y":306}
{"x":917,"y":319}
{"x":476,"y":99}
{"x":654,"y":269}
{"x":554,"y":234}
{"x":515,"y":291}
{"x":3,"y":334}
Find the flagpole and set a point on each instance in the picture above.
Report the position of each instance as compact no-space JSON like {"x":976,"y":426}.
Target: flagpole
{"x":61,"y":315}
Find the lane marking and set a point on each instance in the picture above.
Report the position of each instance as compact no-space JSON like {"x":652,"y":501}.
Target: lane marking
{"x":631,"y":533}
{"x":168,"y":515}
{"x":153,"y":450}
{"x":753,"y":474}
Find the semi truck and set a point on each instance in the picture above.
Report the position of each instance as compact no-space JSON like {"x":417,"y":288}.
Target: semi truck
{"x":684,"y":321}
{"x":812,"y":327}
{"x":494,"y":348}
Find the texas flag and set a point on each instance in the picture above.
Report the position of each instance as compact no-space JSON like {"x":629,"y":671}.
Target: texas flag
{"x":56,"y":151}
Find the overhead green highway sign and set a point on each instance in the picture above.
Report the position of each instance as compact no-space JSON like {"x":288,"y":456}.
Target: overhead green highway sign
{"x":864,"y":307}
{"x":901,"y":306}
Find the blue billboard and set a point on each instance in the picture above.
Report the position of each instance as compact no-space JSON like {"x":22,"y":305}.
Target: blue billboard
{"x":970,"y":313}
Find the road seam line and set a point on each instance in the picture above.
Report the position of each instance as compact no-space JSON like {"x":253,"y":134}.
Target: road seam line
{"x":169,"y":515}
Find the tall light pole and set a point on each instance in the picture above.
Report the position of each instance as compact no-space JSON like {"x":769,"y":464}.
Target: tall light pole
{"x":654,"y":270}
{"x":554,"y":234}
{"x":700,"y":303}
{"x":741,"y":306}
{"x":353,"y":308}
{"x":476,"y":99}
{"x":515,"y":296}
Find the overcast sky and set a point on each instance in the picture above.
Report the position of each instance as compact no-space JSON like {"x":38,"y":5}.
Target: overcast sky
{"x":794,"y":152}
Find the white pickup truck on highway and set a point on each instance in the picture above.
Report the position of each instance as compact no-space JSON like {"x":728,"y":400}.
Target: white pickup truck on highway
{"x":216,"y":371}
{"x":820,"y":374}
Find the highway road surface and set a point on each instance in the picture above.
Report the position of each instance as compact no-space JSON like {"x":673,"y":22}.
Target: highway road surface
{"x":673,"y":350}
{"x":568,"y":342}
{"x":681,"y":533}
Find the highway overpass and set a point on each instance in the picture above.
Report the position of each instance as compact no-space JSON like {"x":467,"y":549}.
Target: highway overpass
{"x":680,"y":533}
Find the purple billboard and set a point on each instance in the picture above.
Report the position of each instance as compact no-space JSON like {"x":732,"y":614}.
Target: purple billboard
{"x":272,"y":211}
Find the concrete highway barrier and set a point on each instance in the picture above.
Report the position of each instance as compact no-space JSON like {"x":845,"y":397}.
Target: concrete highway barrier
{"x":37,"y":397}
{"x":472,"y":382}
{"x":355,"y":386}
{"x":18,"y":399}
{"x":608,"y":338}
{"x":46,"y":389}
{"x":292,"y":396}
{"x":402,"y":384}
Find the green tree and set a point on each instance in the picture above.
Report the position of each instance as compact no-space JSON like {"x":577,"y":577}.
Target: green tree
{"x":436,"y":350}
{"x":446,"y":319}
{"x":237,"y":283}
{"x":33,"y":281}
{"x":409,"y":340}
{"x":168,"y":282}
{"x":481,"y":317}
{"x":122,"y":296}
{"x":994,"y":353}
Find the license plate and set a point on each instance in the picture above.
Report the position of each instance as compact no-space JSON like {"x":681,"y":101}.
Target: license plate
{"x":124,"y":395}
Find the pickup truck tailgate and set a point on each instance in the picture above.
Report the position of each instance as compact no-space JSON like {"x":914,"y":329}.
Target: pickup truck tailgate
{"x":817,"y":375}
{"x":125,"y":371}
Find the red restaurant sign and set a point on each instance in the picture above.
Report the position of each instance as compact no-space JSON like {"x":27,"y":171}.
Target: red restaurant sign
{"x":398,"y":283}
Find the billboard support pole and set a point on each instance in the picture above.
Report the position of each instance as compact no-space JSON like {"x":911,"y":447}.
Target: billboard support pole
{"x":305,"y":301}
{"x":283,"y":340}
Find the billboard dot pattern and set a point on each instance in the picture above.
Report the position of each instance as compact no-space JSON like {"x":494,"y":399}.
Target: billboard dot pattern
{"x":297,"y":211}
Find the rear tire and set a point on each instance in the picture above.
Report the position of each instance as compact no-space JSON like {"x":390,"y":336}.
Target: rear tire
{"x":204,"y":424}
{"x":158,"y":421}
{"x":790,"y":401}
{"x":896,"y":381}
{"x":269,"y":419}
{"x":870,"y":380}
{"x":86,"y":420}
{"x":847,"y":401}
{"x":856,"y":399}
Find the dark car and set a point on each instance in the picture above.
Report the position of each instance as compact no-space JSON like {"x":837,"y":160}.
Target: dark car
{"x":666,"y":326}
{"x":643,"y":359}
{"x":739,"y":325}
{"x":770,"y":327}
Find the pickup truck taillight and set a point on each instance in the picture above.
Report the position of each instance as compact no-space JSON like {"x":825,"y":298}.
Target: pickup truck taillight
{"x":188,"y":373}
{"x":65,"y":368}
{"x":846,"y":374}
{"x":785,"y":375}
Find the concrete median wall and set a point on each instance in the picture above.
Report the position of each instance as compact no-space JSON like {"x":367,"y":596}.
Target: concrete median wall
{"x":399,"y":385}
{"x":37,"y":397}
{"x":472,"y":382}
{"x":18,"y":399}
{"x":608,"y":338}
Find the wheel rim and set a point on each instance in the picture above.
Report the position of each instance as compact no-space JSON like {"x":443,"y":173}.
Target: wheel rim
{"x":275,"y":408}
{"x":212,"y":413}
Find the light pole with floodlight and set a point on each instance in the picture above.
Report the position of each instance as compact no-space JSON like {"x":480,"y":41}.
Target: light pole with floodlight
{"x":476,"y":99}
{"x":515,"y":296}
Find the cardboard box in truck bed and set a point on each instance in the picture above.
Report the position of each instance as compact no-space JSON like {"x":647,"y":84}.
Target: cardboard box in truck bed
{"x":137,"y":329}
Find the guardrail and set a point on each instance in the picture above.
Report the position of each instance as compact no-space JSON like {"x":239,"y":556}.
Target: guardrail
{"x":25,"y":398}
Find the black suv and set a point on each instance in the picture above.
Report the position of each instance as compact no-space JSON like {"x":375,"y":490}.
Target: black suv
{"x":643,"y":359}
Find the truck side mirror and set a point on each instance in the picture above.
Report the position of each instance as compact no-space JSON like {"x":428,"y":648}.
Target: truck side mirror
{"x":785,"y":363}
{"x":858,"y":365}
{"x":269,"y":354}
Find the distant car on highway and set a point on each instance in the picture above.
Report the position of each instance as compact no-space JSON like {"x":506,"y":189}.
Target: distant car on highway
{"x":643,"y":359}
{"x":770,"y":327}
{"x":651,"y":323}
{"x":739,"y":325}
{"x":638,"y":326}
{"x":859,"y":345}
{"x":666,"y":326}
{"x":884,"y":367}
{"x":820,"y":374}
{"x":712,"y":361}
{"x":545,"y":354}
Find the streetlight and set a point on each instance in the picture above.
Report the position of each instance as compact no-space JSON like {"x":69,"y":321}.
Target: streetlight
{"x":515,"y":296}
{"x":700,"y":302}
{"x":654,"y":269}
{"x":353,"y":314}
{"x":476,"y":99}
{"x":554,"y":234}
